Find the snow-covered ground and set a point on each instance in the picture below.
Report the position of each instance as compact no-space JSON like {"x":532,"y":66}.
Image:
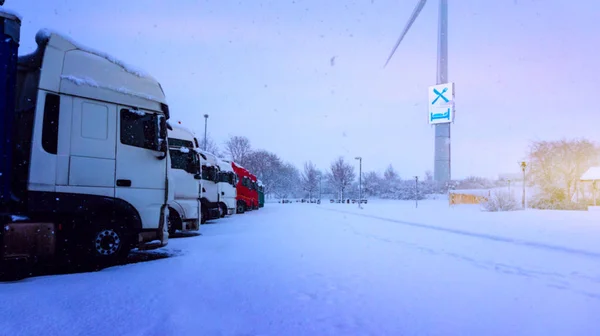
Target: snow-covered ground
{"x":334,"y":269}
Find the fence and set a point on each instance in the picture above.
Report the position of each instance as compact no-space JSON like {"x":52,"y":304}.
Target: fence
{"x":459,"y":198}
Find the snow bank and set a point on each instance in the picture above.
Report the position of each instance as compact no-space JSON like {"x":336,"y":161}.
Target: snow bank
{"x":91,"y":82}
{"x":11,"y":12}
{"x":46,"y":33}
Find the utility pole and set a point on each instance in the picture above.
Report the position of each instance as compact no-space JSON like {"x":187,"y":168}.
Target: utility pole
{"x":523,"y":168}
{"x":416,"y":191}
{"x":205,"y":128}
{"x":319,"y":187}
{"x":509,"y":187}
{"x":359,"y":179}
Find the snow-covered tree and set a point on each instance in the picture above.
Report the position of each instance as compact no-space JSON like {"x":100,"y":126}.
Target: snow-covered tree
{"x":556,"y":166}
{"x":238,"y":148}
{"x":391,"y":183}
{"x":341,"y":175}
{"x":211,"y":145}
{"x":372,"y":184}
{"x":475,"y":182}
{"x":310,"y":178}
{"x":287,"y":181}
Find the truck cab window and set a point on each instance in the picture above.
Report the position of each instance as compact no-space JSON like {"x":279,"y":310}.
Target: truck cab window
{"x":183,"y":161}
{"x":50,"y":125}
{"x":139,"y":129}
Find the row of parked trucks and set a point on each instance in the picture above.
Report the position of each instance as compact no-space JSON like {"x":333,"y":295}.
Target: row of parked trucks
{"x":91,"y":165}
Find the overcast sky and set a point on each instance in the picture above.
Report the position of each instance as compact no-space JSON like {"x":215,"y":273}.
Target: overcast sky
{"x":524,"y":70}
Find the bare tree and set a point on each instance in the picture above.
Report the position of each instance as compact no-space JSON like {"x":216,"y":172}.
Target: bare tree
{"x":211,"y":146}
{"x":390,"y":174}
{"x":310,"y":178}
{"x":558,"y":165}
{"x":341,"y":176}
{"x":391,"y":183}
{"x":265,"y":165}
{"x":238,"y":148}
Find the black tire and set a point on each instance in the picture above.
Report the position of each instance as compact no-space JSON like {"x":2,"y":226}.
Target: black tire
{"x":203,"y":214}
{"x":223,"y":209}
{"x":241,"y":207}
{"x":108,"y":244}
{"x":174,"y":223}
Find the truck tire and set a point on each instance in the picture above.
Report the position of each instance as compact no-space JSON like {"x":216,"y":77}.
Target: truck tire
{"x":108,"y":244}
{"x":175,"y":222}
{"x":241,"y":207}
{"x":223,"y":208}
{"x":203,"y":214}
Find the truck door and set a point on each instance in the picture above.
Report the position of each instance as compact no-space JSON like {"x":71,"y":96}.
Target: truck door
{"x":141,"y":172}
{"x":92,"y":155}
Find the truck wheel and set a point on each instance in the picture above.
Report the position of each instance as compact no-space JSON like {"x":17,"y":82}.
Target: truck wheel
{"x":203,"y":215}
{"x":223,"y":209}
{"x":241,"y":208}
{"x":174,"y":222}
{"x":109,"y":245}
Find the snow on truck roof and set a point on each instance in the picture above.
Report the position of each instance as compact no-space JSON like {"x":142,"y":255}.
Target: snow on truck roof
{"x":224,"y":165}
{"x":70,"y":68}
{"x":181,"y":132}
{"x":211,"y":158}
{"x":592,"y":174}
{"x":8,"y":13}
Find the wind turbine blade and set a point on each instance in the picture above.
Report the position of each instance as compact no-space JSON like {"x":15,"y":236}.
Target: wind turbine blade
{"x":412,"y":19}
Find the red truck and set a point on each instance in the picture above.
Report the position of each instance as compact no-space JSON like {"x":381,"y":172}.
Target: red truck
{"x":247,"y":198}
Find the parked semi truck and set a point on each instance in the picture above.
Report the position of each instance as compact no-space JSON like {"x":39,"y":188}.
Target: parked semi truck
{"x":185,"y":209}
{"x":261,"y":194}
{"x":245,"y":195}
{"x":254,"y":191}
{"x":83,"y":152}
{"x":209,"y":196}
{"x":226,"y":185}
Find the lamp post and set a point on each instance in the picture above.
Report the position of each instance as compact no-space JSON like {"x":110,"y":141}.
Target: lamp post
{"x":416,"y":191}
{"x":205,"y":127}
{"x":319,"y":187}
{"x":359,"y":179}
{"x":523,"y":168}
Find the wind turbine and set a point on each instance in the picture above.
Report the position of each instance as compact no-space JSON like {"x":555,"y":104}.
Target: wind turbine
{"x":441,"y":170}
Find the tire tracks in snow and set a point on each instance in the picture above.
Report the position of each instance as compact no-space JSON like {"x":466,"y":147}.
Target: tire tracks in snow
{"x":520,"y":242}
{"x":551,"y":279}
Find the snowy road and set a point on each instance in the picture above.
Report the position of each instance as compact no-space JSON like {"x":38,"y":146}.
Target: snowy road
{"x":303,"y":269}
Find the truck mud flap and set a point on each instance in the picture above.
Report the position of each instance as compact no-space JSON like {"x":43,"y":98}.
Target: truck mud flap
{"x":30,"y":241}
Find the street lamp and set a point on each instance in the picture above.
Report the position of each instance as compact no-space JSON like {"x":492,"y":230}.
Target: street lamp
{"x":416,"y":191}
{"x":205,"y":126}
{"x":359,"y":179}
{"x":523,"y":165}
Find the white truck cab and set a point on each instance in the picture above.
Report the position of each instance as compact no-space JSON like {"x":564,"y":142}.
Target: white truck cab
{"x":226,"y":186}
{"x":184,"y":209}
{"x":209,"y":196}
{"x":90,"y":157}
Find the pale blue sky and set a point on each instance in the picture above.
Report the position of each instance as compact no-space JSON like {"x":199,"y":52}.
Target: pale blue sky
{"x":524,"y":70}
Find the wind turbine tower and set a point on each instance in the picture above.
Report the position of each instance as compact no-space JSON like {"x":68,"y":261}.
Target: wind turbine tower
{"x":441,"y":96}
